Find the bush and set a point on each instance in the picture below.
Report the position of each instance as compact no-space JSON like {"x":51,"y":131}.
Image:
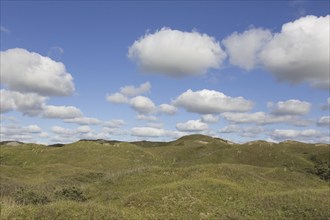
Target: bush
{"x":71,"y":193}
{"x":321,"y":168}
{"x":25,"y":196}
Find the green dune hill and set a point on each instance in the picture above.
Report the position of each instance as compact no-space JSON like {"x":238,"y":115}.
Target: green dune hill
{"x":194,"y":177}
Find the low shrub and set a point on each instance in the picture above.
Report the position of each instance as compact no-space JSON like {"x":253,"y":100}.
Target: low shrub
{"x":71,"y":193}
{"x":24,"y":196}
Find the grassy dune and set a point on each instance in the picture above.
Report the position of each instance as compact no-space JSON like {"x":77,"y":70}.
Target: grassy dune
{"x":194,"y":177}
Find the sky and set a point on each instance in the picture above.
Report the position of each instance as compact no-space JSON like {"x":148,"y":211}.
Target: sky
{"x":143,"y":70}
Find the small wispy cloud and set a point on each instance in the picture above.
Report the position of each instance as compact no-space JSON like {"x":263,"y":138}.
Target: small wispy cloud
{"x":4,"y":30}
{"x":55,"y":52}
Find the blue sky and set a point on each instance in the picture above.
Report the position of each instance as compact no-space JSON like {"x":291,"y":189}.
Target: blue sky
{"x":240,"y":70}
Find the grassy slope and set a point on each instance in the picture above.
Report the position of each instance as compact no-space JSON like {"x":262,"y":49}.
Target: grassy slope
{"x":195,"y":177}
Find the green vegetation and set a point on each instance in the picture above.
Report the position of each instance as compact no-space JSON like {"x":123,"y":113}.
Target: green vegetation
{"x":194,"y":177}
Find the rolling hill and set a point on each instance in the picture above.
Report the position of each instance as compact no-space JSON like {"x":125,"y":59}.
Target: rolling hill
{"x":194,"y":177}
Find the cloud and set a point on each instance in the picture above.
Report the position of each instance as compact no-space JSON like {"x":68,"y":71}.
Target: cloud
{"x":176,"y":53}
{"x":26,"y":71}
{"x":290,"y":107}
{"x":16,"y":132}
{"x":155,"y":132}
{"x":62,"y":112}
{"x":5,"y":30}
{"x":192,"y":125}
{"x":167,"y":109}
{"x":142,"y":105}
{"x":300,"y":52}
{"x":117,"y":98}
{"x":62,"y":131}
{"x":155,"y":125}
{"x":251,"y":132}
{"x":44,"y":135}
{"x":288,"y":134}
{"x":32,"y":129}
{"x":148,"y":132}
{"x":243,"y":49}
{"x":209,"y":118}
{"x":115,"y":123}
{"x":261,"y":118}
{"x":146,"y":118}
{"x":130,"y":91}
{"x":29,"y":104}
{"x":126,"y":92}
{"x":324,"y":121}
{"x":84,"y":129}
{"x":211,"y":102}
{"x":327,"y":105}
{"x":83,"y":121}
{"x":230,"y":129}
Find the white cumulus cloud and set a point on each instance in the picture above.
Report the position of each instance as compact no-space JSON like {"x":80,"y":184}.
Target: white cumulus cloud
{"x":176,"y":53}
{"x":26,"y":71}
{"x":261,"y":118}
{"x":28,"y":103}
{"x":151,"y":132}
{"x":243,"y":49}
{"x":62,"y":112}
{"x":148,"y":132}
{"x":290,"y":107}
{"x":115,"y":123}
{"x":117,"y":98}
{"x":146,"y":117}
{"x":300,"y":52}
{"x":287,"y":134}
{"x":324,"y":121}
{"x":84,"y":129}
{"x":211,"y":102}
{"x":192,"y":125}
{"x":209,"y":118}
{"x":83,"y":121}
{"x":142,"y":105}
{"x":130,"y":91}
{"x":167,"y":109}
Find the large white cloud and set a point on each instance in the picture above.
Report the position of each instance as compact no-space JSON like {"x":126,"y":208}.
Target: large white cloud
{"x":290,"y":107}
{"x":300,"y":52}
{"x":210,"y":102}
{"x":28,"y":103}
{"x":26,"y":71}
{"x":176,"y":53}
{"x":142,"y":105}
{"x":243,"y":48}
{"x":192,"y":125}
{"x":62,"y":112}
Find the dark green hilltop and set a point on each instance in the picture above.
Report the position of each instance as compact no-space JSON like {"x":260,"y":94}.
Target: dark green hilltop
{"x":193,"y":177}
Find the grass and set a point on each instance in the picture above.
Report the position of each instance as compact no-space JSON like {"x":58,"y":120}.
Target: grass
{"x":195,"y":177}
